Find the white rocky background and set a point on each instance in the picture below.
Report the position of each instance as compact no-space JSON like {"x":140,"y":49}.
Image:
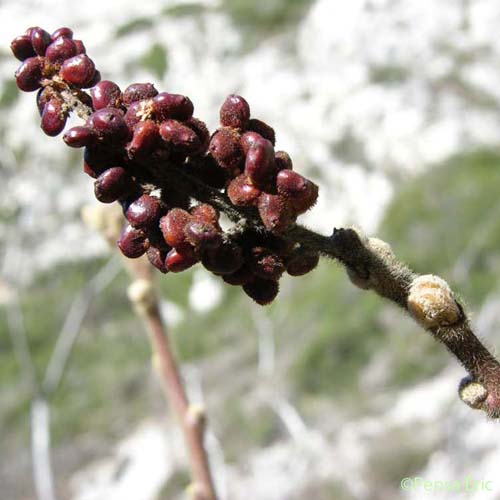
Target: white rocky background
{"x":321,"y":95}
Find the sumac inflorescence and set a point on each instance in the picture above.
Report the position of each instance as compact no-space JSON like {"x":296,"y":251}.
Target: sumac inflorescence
{"x":146,"y":151}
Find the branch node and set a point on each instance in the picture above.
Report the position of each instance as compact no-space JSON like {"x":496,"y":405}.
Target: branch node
{"x":141,"y":293}
{"x":196,"y":416}
{"x":472,"y":393}
{"x":431,"y":302}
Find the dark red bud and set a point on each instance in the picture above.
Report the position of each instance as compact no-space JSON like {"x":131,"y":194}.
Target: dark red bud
{"x":282,"y":161}
{"x":105,"y":94}
{"x":225,"y":259}
{"x":138,"y":92}
{"x":78,"y":70}
{"x":242,"y":192}
{"x":132,"y":242}
{"x":144,"y":140}
{"x":144,"y":212}
{"x":259,"y":163}
{"x":266,"y":264}
{"x":226,"y":150}
{"x":248,"y":139}
{"x":235,"y":112}
{"x":80,"y":136}
{"x":40,"y":40}
{"x":157,"y":258}
{"x":263,"y":129}
{"x":21,"y":47}
{"x":301,"y":262}
{"x":29,"y":74}
{"x":179,"y":137}
{"x":60,"y":50}
{"x":62,"y":32}
{"x":109,"y":125}
{"x":136,"y":112}
{"x":179,"y":260}
{"x":80,"y":48}
{"x":275,"y":212}
{"x":206,"y":213}
{"x":202,"y":235}
{"x":262,"y":291}
{"x":113,"y":184}
{"x":172,"y":226}
{"x":301,"y":192}
{"x":201,"y":131}
{"x":166,"y":106}
{"x":53,"y":117}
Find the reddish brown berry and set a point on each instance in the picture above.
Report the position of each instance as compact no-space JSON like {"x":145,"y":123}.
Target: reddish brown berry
{"x":301,"y":262}
{"x":206,"y":213}
{"x":179,"y":137}
{"x":259,"y":163}
{"x":78,"y":70}
{"x":157,"y":258}
{"x":242,"y":192}
{"x":301,"y":192}
{"x":113,"y":184}
{"x":235,"y":112}
{"x":21,"y":47}
{"x":225,"y":148}
{"x":29,"y":74}
{"x":80,"y":136}
{"x":62,"y":32}
{"x":282,"y":161}
{"x":261,"y":290}
{"x":172,"y":226}
{"x":275,"y":212}
{"x":179,"y":260}
{"x":132,"y":242}
{"x":225,"y":259}
{"x":144,"y":140}
{"x":109,"y":125}
{"x":60,"y":50}
{"x":175,"y":106}
{"x":40,"y":40}
{"x":144,"y":212}
{"x":106,"y":94}
{"x":138,"y":92}
{"x":263,"y":129}
{"x":53,"y":117}
{"x":202,"y":235}
{"x":266,"y":264}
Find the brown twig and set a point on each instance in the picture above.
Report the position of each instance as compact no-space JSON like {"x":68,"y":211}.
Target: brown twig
{"x":191,"y":417}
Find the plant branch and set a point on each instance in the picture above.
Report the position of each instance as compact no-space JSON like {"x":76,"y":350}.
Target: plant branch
{"x":371,"y":264}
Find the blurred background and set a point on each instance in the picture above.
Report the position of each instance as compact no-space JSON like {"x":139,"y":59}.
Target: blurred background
{"x":392,"y":107}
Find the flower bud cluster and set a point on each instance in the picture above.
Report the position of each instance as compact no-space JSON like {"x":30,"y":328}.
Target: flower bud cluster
{"x":140,"y":146}
{"x":51,"y":64}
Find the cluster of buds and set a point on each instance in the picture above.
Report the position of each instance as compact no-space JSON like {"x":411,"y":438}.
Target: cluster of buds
{"x":52,"y":64}
{"x":146,"y":151}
